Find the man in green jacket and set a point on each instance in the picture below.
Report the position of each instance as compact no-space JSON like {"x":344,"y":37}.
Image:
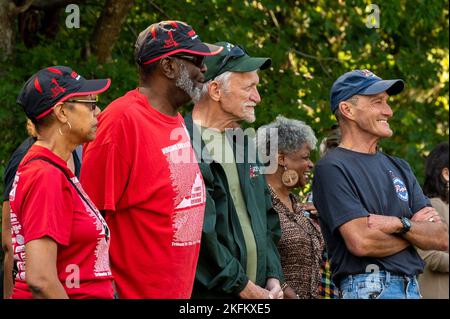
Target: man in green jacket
{"x":238,"y":254}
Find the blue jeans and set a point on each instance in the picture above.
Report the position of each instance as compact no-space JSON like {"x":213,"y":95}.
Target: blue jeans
{"x":380,"y":285}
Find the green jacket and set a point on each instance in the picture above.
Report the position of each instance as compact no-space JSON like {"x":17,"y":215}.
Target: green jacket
{"x":221,"y":266}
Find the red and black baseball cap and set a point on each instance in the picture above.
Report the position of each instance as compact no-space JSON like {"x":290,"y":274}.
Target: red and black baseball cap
{"x":53,"y":85}
{"x":167,"y":38}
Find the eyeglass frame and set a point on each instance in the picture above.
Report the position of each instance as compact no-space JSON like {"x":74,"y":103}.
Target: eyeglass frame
{"x":93,"y":103}
{"x":194,"y":59}
{"x":228,"y":57}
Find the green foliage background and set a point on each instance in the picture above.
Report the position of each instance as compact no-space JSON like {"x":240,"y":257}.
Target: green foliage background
{"x":311,"y":43}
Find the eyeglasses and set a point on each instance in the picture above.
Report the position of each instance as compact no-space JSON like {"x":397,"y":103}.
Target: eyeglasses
{"x":92,"y":104}
{"x":236,"y":52}
{"x":197,"y":60}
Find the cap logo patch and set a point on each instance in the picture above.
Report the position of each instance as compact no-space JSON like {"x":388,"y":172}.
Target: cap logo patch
{"x":170,"y":42}
{"x":192,"y":34}
{"x":367,"y":73}
{"x":75,"y":75}
{"x":57,"y":89}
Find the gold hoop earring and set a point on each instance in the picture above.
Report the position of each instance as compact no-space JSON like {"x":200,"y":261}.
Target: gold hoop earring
{"x":70,"y":128}
{"x":289,"y":177}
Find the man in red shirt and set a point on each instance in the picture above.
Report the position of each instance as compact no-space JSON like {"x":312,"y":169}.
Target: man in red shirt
{"x":141,"y":170}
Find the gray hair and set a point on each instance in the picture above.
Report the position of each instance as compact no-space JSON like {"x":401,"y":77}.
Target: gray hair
{"x":223,"y":79}
{"x":353,"y":100}
{"x":292,"y":135}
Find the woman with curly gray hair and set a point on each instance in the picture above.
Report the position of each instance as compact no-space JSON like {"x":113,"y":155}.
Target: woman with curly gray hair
{"x":301,"y":245}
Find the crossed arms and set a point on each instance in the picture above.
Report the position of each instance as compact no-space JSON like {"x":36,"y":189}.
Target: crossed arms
{"x":378,"y":235}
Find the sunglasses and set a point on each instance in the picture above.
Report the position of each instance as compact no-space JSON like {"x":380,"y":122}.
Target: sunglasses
{"x":92,"y":104}
{"x":197,"y":60}
{"x":236,"y":52}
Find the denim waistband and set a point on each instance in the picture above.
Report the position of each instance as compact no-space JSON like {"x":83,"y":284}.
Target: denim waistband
{"x":383,"y":275}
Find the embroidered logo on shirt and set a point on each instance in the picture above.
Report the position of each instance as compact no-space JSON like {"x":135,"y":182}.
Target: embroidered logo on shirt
{"x":255,"y":171}
{"x":400,"y":187}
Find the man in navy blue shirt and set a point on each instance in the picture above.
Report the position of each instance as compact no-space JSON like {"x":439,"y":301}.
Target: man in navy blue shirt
{"x":372,"y":210}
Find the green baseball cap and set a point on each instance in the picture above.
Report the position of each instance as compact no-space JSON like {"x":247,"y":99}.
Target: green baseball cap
{"x":233,"y":58}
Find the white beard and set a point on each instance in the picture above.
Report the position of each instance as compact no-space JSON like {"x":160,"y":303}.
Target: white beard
{"x":185,"y":83}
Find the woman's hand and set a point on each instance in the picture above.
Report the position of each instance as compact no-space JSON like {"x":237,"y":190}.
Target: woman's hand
{"x":290,"y":293}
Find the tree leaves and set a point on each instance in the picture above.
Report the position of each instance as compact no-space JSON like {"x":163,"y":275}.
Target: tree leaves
{"x":311,"y":43}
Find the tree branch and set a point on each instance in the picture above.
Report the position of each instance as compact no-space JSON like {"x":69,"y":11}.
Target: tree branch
{"x":158,"y":8}
{"x":315,"y":57}
{"x":42,"y":4}
{"x":318,"y":59}
{"x":108,"y":28}
{"x":22,"y":8}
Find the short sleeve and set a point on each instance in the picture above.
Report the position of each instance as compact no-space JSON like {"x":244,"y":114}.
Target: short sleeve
{"x":13,"y":164}
{"x":335,"y":197}
{"x":47,"y":206}
{"x":104,"y":175}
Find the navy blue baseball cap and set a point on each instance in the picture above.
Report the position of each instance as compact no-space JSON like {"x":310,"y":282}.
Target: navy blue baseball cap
{"x":53,"y":85}
{"x":166,"y":38}
{"x":362,"y":82}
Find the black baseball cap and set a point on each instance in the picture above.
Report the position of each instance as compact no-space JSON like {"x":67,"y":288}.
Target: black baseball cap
{"x":53,"y":85}
{"x":166,"y":38}
{"x":233,"y":58}
{"x":362,"y":82}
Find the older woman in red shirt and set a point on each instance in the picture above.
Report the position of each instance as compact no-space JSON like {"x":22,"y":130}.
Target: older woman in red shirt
{"x":60,"y":240}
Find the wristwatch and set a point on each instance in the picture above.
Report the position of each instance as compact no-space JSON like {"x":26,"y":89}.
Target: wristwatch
{"x":406,"y":225}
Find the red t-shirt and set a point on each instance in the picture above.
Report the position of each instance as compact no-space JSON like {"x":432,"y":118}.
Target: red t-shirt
{"x":44,"y":203}
{"x":142,"y":170}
